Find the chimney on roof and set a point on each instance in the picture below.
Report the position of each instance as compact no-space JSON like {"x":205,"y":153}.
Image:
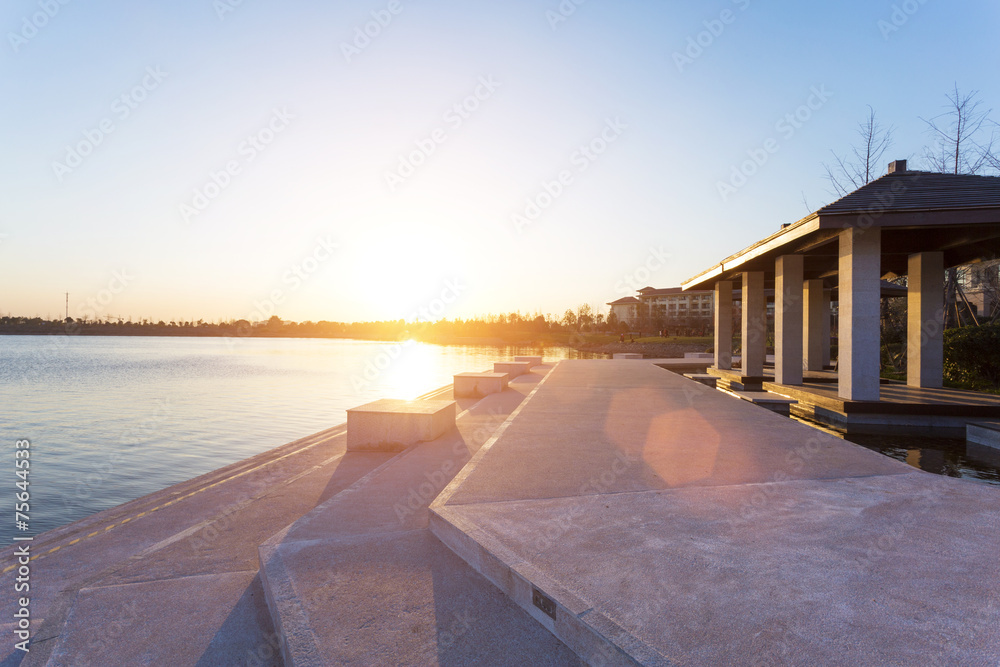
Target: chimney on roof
{"x":897,"y":165}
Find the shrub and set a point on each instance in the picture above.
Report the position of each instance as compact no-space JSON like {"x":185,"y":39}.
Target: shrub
{"x":972,"y":355}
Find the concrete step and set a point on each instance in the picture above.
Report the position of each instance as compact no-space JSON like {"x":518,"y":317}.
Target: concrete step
{"x":767,"y":400}
{"x":361,"y":580}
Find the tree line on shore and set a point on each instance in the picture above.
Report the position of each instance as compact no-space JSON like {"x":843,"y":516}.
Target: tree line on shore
{"x":506,"y":326}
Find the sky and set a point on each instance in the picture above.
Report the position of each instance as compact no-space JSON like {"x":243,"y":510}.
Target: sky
{"x":352,"y":161}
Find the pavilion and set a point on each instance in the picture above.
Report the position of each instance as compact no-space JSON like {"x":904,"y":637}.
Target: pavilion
{"x":909,"y":223}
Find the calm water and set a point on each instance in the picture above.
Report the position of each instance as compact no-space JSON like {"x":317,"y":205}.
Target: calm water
{"x":111,"y":419}
{"x":942,"y":456}
{"x":951,"y":457}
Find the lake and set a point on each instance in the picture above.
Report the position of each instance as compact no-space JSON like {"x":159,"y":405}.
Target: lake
{"x":111,"y":419}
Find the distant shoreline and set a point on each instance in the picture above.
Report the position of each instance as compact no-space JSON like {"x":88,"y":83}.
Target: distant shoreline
{"x":133,"y":332}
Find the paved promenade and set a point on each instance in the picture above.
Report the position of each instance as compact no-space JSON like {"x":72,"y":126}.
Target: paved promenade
{"x":644,"y":518}
{"x":603,"y":511}
{"x":173,"y":578}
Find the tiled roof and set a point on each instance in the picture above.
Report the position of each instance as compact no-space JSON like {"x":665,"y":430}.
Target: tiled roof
{"x":919,"y":190}
{"x":624,"y":301}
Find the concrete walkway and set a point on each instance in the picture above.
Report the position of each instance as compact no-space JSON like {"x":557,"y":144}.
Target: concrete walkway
{"x":361,"y":580}
{"x":172,"y":578}
{"x":644,"y":518}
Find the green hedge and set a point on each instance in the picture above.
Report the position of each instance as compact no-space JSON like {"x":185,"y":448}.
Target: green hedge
{"x":972,"y":356}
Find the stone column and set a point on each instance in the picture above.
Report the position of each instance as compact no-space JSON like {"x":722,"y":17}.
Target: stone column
{"x":827,"y":316}
{"x":754,"y":333}
{"x":812,"y":325}
{"x":860,"y":293}
{"x":925,"y":320}
{"x":788,"y":319}
{"x":724,"y":325}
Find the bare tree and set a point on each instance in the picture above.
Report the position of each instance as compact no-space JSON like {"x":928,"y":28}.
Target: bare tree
{"x":864,"y":164}
{"x":964,"y":136}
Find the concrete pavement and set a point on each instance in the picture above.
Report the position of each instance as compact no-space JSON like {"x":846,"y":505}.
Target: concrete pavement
{"x":644,"y":518}
{"x":172,"y":578}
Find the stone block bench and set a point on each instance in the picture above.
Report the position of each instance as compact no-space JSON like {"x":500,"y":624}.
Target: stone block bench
{"x":480,"y":384}
{"x":627,"y":355}
{"x":704,"y":378}
{"x":765,"y":399}
{"x":534,"y":361}
{"x":391,"y":425}
{"x":512,"y":368}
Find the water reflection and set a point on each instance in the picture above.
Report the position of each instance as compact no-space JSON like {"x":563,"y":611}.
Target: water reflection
{"x":941,"y":456}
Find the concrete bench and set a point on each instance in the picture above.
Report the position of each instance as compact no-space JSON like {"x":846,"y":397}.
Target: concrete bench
{"x":773,"y":402}
{"x":534,"y":361}
{"x":627,"y":355}
{"x":391,"y":425}
{"x":704,"y":378}
{"x":512,"y":368}
{"x":699,"y":355}
{"x":480,"y":384}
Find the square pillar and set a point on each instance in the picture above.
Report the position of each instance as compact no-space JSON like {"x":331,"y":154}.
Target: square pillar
{"x":859,"y":327}
{"x":827,"y":317}
{"x":812,"y":325}
{"x":724,"y":325}
{"x":754,"y":333}
{"x":788,"y":319}
{"x":925,"y":320}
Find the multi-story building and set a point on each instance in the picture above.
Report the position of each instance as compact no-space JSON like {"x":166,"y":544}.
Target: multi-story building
{"x":666,"y":308}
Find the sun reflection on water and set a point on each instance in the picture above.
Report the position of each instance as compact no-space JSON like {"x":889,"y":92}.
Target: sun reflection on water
{"x":407,"y":377}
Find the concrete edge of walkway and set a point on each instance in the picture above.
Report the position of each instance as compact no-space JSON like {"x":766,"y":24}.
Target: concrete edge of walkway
{"x":591,"y":635}
{"x":459,"y":479}
{"x":219,"y":475}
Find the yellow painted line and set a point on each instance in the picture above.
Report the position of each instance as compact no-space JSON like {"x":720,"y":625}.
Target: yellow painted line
{"x":171,"y":502}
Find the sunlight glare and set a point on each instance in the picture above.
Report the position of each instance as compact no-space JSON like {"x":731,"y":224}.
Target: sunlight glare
{"x":412,"y":373}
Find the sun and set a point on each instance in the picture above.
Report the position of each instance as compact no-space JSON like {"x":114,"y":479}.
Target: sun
{"x":404,"y":268}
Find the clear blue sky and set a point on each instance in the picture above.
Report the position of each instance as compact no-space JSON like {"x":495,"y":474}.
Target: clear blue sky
{"x":312,"y":134}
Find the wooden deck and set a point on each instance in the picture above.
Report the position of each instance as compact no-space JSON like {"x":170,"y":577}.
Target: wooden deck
{"x":941,"y":411}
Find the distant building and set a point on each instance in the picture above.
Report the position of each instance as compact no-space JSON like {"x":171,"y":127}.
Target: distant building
{"x":625,"y":309}
{"x":666,"y":308}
